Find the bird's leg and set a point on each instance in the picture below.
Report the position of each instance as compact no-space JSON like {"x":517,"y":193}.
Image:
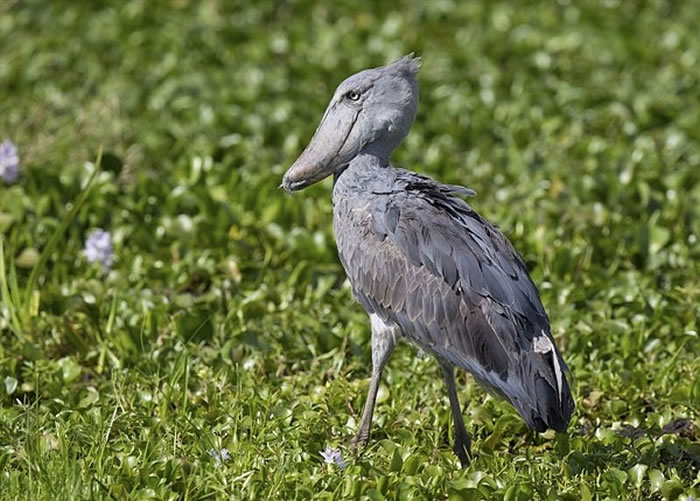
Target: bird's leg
{"x":462,"y":441}
{"x":383,"y":342}
{"x":362,"y":436}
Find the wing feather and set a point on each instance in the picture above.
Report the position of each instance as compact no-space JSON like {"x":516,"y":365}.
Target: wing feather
{"x":456,"y":286}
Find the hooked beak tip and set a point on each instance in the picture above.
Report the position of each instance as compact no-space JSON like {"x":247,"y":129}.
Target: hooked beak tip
{"x":286,"y":185}
{"x":293,"y":186}
{"x":300,"y":176}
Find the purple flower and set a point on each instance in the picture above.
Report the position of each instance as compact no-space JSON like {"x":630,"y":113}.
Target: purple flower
{"x":220,"y":456}
{"x":333,"y":456}
{"x":9,"y":162}
{"x":98,"y":248}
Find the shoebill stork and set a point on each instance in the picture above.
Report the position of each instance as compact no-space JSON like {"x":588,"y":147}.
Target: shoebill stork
{"x":424,"y":265}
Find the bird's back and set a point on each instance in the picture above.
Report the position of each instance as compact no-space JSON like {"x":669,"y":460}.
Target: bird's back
{"x":420,"y":257}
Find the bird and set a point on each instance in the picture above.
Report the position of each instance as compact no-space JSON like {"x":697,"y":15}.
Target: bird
{"x":426,"y":267}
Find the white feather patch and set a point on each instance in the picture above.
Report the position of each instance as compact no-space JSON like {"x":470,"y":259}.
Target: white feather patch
{"x":543,"y":344}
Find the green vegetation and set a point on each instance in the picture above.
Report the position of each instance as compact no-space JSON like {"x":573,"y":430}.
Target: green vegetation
{"x":225,"y":320}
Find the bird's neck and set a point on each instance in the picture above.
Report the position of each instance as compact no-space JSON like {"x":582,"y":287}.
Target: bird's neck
{"x":362,"y":166}
{"x":360,"y":174}
{"x":369,"y":159}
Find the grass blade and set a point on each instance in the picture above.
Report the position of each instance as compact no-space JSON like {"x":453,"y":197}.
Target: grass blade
{"x":57,"y":235}
{"x":7,"y":298}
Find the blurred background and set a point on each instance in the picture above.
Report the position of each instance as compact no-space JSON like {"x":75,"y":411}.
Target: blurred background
{"x":211,"y":312}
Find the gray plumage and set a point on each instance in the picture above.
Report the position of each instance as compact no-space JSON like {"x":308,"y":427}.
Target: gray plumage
{"x":424,"y":264}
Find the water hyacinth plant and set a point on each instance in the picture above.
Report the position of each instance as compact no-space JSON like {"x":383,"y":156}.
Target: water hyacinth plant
{"x":9,"y":162}
{"x":98,"y":248}
{"x":333,"y":456}
{"x":220,"y":456}
{"x":227,"y":320}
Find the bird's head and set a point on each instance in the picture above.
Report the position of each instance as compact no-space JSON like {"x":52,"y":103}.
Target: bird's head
{"x":371,"y":111}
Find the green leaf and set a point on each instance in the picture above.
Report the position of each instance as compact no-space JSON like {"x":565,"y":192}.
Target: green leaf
{"x":410,"y":466}
{"x":70,"y":370}
{"x":396,"y":461}
{"x":382,"y":484}
{"x":562,"y":444}
{"x":658,"y":238}
{"x":656,"y":480}
{"x":28,"y":258}
{"x":10,"y":385}
{"x":585,"y":493}
{"x":619,"y":475}
{"x":695,"y":392}
{"x":671,"y":489}
{"x":195,"y":325}
{"x":636,"y":474}
{"x":470,"y":494}
{"x":90,"y":398}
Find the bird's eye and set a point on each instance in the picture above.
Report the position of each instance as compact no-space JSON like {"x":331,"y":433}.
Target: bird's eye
{"x":353,"y":95}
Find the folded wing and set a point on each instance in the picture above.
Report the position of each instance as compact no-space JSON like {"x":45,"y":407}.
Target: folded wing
{"x":455,"y":286}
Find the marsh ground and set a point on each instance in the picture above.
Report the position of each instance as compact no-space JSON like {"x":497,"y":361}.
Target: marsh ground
{"x":225,"y":321}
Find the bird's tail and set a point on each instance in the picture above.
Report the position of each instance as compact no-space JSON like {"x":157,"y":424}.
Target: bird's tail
{"x":547,"y":403}
{"x":549,"y":410}
{"x":536,"y":386}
